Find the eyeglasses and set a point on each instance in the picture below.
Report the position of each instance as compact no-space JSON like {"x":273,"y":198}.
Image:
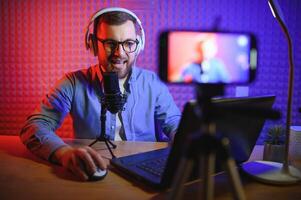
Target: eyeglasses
{"x":128,"y":46}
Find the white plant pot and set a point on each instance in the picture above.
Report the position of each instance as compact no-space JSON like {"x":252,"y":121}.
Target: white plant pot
{"x":273,"y":152}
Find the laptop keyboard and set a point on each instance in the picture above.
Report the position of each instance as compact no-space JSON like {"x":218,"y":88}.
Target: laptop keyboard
{"x":155,"y":166}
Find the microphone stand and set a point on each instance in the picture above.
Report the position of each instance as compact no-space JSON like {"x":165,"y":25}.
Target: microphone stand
{"x":103,"y":137}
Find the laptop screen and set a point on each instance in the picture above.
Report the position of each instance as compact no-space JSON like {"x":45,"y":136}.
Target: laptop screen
{"x":241,"y":122}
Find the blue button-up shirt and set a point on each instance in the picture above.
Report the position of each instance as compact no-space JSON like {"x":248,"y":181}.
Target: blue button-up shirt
{"x":78,"y":93}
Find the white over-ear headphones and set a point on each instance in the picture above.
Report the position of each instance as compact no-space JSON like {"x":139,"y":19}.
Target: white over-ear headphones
{"x":90,"y":38}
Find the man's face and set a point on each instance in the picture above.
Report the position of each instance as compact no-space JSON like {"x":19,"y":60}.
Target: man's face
{"x":117,"y":60}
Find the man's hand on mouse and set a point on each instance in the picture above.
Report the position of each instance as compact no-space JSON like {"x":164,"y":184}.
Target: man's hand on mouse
{"x":81,"y":161}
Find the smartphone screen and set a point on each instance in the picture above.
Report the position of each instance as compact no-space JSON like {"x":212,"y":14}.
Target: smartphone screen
{"x":207,"y":57}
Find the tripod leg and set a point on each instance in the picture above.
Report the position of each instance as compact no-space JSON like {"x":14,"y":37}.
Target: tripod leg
{"x":208,"y":171}
{"x":93,"y":142}
{"x":231,"y":169}
{"x":103,"y":139}
{"x":235,"y":180}
{"x":112,"y":144}
{"x":107,"y":144}
{"x":181,"y":176}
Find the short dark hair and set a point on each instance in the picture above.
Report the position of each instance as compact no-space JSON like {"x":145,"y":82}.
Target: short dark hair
{"x":113,"y":18}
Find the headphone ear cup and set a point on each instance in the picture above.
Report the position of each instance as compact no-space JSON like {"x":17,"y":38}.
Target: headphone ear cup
{"x":93,"y":44}
{"x":139,"y":44}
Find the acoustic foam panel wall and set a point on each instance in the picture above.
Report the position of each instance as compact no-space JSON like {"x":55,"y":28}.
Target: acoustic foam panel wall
{"x":41,"y":40}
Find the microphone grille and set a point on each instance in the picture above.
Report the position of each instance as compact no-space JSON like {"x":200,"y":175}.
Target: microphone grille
{"x":111,"y":84}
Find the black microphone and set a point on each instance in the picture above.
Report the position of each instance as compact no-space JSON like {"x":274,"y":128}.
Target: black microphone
{"x":113,"y":99}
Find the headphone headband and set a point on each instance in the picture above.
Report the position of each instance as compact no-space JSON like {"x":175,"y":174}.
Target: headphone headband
{"x":113,"y":9}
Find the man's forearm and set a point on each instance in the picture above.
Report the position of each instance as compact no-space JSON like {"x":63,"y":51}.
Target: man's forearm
{"x":56,"y":156}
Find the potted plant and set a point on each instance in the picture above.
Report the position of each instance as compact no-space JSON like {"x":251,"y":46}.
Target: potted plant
{"x":274,"y":144}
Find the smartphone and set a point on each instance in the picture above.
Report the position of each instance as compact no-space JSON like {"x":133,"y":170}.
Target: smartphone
{"x":207,"y":57}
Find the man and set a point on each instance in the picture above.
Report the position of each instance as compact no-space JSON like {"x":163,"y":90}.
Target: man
{"x":207,"y":68}
{"x":115,"y":40}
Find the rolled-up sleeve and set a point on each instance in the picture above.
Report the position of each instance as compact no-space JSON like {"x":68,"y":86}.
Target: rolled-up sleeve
{"x":38,"y":133}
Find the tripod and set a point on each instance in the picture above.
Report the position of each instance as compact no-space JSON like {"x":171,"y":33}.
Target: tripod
{"x":204,"y":147}
{"x":103,"y":137}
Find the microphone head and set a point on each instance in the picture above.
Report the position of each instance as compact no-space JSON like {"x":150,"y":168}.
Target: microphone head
{"x":113,"y":99}
{"x":110,"y":84}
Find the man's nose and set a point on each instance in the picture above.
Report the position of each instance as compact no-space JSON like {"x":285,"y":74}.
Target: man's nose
{"x":119,"y":50}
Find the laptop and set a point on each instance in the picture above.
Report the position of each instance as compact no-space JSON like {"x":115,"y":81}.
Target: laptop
{"x":242,"y":127}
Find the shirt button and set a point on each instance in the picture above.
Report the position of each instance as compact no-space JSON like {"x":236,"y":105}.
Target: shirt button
{"x":112,"y":127}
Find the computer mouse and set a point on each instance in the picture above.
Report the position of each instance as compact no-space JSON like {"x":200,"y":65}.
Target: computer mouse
{"x":98,"y":175}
